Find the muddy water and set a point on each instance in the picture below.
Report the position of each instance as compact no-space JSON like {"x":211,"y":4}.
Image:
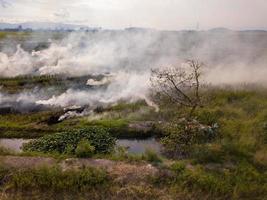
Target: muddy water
{"x":133,"y":145}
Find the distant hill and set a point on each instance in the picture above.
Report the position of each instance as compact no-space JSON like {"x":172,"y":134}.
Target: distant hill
{"x":220,"y":29}
{"x":44,"y":26}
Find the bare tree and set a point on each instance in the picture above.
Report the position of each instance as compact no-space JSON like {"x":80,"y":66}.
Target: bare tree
{"x":180,"y":84}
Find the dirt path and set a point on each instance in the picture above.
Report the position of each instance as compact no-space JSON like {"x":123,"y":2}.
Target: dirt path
{"x":26,"y":162}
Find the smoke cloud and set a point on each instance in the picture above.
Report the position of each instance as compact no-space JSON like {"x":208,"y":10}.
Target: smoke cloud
{"x":129,"y":55}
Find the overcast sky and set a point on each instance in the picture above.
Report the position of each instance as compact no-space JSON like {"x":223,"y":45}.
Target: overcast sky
{"x":160,"y":14}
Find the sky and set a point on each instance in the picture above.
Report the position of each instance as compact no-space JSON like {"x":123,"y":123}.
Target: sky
{"x":159,"y":14}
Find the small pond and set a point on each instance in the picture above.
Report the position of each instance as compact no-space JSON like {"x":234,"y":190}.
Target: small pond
{"x":132,"y":145}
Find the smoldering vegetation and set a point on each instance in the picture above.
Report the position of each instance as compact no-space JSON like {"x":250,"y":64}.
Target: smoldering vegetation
{"x":100,"y":68}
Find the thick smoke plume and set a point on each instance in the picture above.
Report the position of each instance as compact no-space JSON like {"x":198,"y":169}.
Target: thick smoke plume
{"x":127,"y":56}
{"x":126,"y":86}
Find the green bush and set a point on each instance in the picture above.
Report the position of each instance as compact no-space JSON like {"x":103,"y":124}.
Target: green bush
{"x":67,"y":142}
{"x":182,"y":136}
{"x":84,"y":149}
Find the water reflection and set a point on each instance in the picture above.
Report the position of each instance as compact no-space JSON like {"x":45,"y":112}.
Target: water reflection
{"x":132,"y":145}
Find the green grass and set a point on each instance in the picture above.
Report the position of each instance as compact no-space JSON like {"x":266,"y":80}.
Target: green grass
{"x":244,"y":181}
{"x":241,"y":115}
{"x":30,"y":125}
{"x":234,"y":165}
{"x":53,"y":178}
{"x":34,"y":125}
{"x":53,"y":183}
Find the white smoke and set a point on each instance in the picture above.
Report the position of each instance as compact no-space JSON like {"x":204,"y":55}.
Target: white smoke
{"x":129,"y":55}
{"x":82,"y":53}
{"x":24,"y":97}
{"x":20,"y":63}
{"x":125,"y":86}
{"x":125,"y":56}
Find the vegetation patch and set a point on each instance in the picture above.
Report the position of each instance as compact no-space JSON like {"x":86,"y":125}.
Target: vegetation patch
{"x":67,"y":142}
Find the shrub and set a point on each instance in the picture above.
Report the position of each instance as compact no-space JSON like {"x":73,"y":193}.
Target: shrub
{"x":84,"y":149}
{"x":182,"y":136}
{"x":67,"y":142}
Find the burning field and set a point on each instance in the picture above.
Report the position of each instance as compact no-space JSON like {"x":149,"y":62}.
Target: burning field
{"x":133,"y":99}
{"x":104,"y":67}
{"x":114,"y":94}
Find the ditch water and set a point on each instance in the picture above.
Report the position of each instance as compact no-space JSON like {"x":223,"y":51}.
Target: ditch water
{"x":132,"y":145}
